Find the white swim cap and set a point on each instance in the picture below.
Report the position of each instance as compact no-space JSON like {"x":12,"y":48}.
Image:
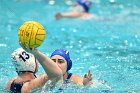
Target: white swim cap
{"x":24,"y":61}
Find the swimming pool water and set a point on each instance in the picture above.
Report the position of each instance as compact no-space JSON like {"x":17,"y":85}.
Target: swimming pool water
{"x":109,"y":47}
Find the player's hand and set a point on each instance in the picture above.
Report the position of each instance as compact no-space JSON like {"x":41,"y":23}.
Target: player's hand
{"x":30,"y":50}
{"x":87,"y":80}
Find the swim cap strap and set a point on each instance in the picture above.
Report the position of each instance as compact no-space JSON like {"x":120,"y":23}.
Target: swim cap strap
{"x":69,"y":65}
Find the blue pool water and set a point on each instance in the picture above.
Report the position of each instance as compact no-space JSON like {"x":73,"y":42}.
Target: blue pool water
{"x":108,"y":47}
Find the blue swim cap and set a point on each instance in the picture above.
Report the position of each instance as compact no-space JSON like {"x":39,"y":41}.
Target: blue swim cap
{"x":86,"y":4}
{"x":65,"y":54}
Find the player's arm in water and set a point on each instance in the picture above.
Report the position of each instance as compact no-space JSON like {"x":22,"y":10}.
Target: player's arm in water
{"x":86,"y":80}
{"x":80,"y":8}
{"x":68,"y":15}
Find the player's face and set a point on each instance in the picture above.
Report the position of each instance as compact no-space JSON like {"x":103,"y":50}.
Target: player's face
{"x":61,"y":62}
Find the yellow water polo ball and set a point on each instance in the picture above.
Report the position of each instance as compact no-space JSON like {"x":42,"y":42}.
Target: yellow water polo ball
{"x":31,"y":34}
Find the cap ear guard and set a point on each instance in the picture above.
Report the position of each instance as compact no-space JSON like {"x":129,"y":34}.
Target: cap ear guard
{"x":36,"y":69}
{"x":69,"y":65}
